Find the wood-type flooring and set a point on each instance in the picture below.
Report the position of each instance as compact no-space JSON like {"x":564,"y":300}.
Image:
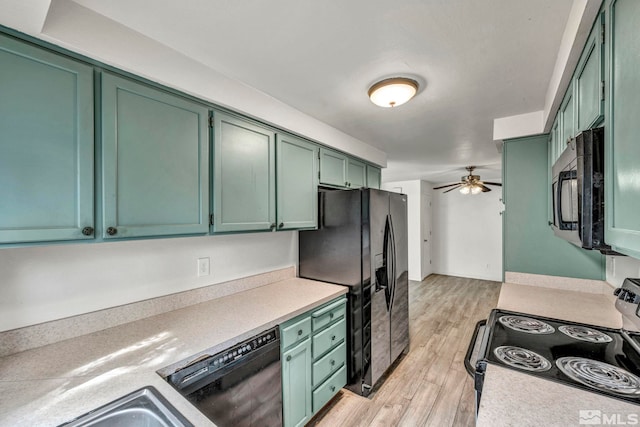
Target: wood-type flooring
{"x":429,"y":385}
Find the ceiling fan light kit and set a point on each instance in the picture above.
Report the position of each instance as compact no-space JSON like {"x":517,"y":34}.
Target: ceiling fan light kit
{"x":392,"y":92}
{"x":469,"y":184}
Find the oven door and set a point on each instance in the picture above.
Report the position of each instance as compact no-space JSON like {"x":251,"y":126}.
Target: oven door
{"x":474,"y":361}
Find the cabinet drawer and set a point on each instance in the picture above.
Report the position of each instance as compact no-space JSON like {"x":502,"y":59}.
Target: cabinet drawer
{"x":329,"y":388}
{"x":329,"y":314}
{"x":295,"y":333}
{"x":329,"y":364}
{"x":328,"y":338}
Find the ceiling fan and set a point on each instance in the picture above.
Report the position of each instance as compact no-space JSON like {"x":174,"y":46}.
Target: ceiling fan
{"x":469,"y":184}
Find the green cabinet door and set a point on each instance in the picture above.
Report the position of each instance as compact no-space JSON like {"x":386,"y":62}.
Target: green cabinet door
{"x":46,"y":147}
{"x":243,"y":175}
{"x":296,"y":384}
{"x":567,"y":119}
{"x":589,"y":80}
{"x":154,"y":161}
{"x":333,"y":168}
{"x":297,"y":183}
{"x":623,"y":127}
{"x":356,"y":173}
{"x":373,"y":177}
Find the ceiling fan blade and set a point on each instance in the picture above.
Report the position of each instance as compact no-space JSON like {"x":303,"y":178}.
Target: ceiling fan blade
{"x":451,"y":189}
{"x":445,"y":186}
{"x":492,"y":183}
{"x":484,"y":188}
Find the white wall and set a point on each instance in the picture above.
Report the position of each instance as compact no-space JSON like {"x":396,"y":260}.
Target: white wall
{"x":44,"y":283}
{"x":621,"y":267}
{"x":414,"y":190}
{"x":467,"y":234}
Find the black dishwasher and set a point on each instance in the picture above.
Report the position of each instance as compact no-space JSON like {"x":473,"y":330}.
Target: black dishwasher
{"x":240,"y":386}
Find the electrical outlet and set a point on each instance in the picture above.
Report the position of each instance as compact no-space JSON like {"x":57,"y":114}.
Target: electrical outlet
{"x":204,"y":266}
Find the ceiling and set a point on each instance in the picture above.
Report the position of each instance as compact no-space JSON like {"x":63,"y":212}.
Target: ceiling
{"x":475,"y":61}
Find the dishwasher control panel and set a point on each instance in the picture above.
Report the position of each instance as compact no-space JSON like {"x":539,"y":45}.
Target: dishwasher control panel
{"x":197,"y":371}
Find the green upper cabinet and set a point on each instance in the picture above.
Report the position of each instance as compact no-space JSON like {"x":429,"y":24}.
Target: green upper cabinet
{"x":155,"y":161}
{"x":373,"y":177}
{"x":333,"y":168}
{"x":297,"y":183}
{"x":566,"y":119}
{"x":623,"y":127}
{"x":555,"y":146}
{"x":47,"y":145}
{"x":589,"y":80}
{"x":340,"y":170}
{"x":356,"y":174}
{"x":244,"y":184}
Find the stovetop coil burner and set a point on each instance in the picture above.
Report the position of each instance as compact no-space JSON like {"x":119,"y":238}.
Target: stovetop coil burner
{"x":583,"y":333}
{"x":526,"y":324}
{"x":522,"y":358}
{"x":600,"y":375}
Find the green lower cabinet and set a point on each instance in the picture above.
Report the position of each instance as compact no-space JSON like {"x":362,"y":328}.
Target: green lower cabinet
{"x":244,"y":178}
{"x":296,"y":384}
{"x":154,"y":162}
{"x":329,"y":388}
{"x":373,"y":177}
{"x":46,"y":147}
{"x":314,"y":358}
{"x":297,"y":183}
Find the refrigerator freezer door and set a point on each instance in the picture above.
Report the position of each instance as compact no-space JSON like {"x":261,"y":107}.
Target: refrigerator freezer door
{"x":400,"y":291}
{"x":333,"y":253}
{"x":380,"y":321}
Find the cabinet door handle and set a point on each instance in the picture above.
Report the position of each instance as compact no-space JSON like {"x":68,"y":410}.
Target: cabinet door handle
{"x":288,"y":358}
{"x":333,"y":337}
{"x":281,"y":225}
{"x":87,"y":231}
{"x":333,"y":388}
{"x":346,"y":184}
{"x":333,"y":362}
{"x":272,"y":226}
{"x":331,"y":315}
{"x":112,"y":231}
{"x":299,"y":332}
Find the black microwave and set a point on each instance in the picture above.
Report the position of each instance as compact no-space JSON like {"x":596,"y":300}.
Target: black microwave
{"x":577,"y":187}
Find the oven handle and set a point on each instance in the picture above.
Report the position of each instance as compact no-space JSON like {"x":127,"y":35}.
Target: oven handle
{"x":467,"y":359}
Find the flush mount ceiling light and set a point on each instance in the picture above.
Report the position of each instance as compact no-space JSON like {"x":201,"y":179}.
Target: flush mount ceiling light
{"x":393,"y":92}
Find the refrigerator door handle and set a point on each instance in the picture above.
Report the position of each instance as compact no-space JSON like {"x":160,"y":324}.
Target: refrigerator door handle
{"x":382,"y":273}
{"x":392,"y":282}
{"x":387,"y":261}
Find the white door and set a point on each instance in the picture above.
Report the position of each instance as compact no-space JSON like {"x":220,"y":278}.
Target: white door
{"x":425,"y":226}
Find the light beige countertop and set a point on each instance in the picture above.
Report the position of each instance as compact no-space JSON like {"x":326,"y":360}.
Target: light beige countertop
{"x":511,"y":398}
{"x":56,"y":383}
{"x":583,"y":307}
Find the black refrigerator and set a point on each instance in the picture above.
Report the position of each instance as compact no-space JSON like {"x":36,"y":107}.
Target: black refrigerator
{"x":361,"y":242}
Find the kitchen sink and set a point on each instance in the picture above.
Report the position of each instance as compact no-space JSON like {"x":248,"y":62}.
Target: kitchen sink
{"x":142,"y":408}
